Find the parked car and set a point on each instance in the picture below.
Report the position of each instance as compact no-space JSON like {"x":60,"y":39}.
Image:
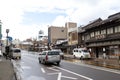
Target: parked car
{"x":81,"y":53}
{"x":49,"y":57}
{"x":15,"y":53}
{"x":1,"y":54}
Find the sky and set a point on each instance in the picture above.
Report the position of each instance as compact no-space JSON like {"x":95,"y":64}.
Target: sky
{"x":25,"y":18}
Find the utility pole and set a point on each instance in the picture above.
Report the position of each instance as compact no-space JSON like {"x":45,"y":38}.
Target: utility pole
{"x":7,"y":47}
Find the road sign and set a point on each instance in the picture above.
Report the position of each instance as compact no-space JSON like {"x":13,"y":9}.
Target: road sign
{"x":9,"y":38}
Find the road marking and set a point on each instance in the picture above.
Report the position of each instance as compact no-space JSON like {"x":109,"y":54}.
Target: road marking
{"x":52,"y":68}
{"x":96,"y":67}
{"x":52,"y":73}
{"x":74,"y":73}
{"x":69,"y":77}
{"x":42,"y":69}
{"x":59,"y":73}
{"x":59,"y":76}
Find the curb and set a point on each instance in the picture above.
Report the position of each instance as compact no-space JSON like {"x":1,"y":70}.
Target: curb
{"x":16,"y":71}
{"x":14,"y":77}
{"x":95,"y":62}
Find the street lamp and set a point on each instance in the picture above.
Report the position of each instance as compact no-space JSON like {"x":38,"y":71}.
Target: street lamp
{"x":7,"y":31}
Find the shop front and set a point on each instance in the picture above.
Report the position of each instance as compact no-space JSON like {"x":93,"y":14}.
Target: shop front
{"x":106,"y":49}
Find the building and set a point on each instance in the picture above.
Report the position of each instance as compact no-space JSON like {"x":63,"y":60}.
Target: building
{"x":40,"y":35}
{"x":72,"y":36}
{"x":72,"y":33}
{"x":56,"y":33}
{"x":0,"y":29}
{"x":25,"y":45}
{"x":71,"y":41}
{"x":102,"y":36}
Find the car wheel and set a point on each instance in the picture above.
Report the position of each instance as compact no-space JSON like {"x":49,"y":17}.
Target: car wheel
{"x":44,"y":62}
{"x":19,"y":57}
{"x":58,"y":63}
{"x":39,"y":61}
{"x":74,"y":56}
{"x":81,"y":58}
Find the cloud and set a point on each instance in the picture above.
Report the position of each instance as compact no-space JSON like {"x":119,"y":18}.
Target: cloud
{"x":79,"y":11}
{"x":59,"y":21}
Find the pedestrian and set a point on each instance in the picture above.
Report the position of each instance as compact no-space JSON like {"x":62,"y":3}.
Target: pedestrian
{"x":119,"y":59}
{"x":104,"y":55}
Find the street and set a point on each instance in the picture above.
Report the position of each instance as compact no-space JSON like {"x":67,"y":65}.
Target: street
{"x":30,"y":69}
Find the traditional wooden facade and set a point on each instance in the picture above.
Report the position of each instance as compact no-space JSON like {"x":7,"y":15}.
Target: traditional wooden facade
{"x":102,"y":36}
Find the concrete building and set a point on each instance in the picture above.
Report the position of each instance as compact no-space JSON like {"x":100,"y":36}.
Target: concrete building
{"x":72,"y":36}
{"x":56,"y":33}
{"x":72,"y":33}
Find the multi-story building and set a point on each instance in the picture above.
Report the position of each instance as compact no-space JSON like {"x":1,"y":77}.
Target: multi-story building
{"x":102,"y":36}
{"x":72,"y":35}
{"x":56,"y":33}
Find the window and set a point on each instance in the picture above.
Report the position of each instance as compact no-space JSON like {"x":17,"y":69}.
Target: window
{"x":97,"y":33}
{"x":117,"y":29}
{"x":87,"y":37}
{"x":16,"y":50}
{"x":83,"y":38}
{"x":44,"y":53}
{"x":53,"y":53}
{"x":103,"y":31}
{"x":92,"y":34}
{"x":109,"y":30}
{"x":74,"y":36}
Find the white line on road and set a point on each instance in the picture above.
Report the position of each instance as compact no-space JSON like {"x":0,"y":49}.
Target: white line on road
{"x":54,"y":69}
{"x":52,"y":73}
{"x":42,"y":69}
{"x":74,"y":73}
{"x":97,"y":67}
{"x":69,"y":77}
{"x":59,"y":76}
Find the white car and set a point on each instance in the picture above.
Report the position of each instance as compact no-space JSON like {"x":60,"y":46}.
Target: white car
{"x":1,"y":54}
{"x":16,"y":53}
{"x":81,"y":53}
{"x":49,"y":57}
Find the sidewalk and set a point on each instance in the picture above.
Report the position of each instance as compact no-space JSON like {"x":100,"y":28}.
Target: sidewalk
{"x":108,"y":63}
{"x":6,"y":70}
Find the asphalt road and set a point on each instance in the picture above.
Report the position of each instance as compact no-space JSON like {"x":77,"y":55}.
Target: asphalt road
{"x":30,"y":69}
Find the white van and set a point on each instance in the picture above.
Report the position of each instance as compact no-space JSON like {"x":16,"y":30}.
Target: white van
{"x":81,"y":53}
{"x":16,"y":53}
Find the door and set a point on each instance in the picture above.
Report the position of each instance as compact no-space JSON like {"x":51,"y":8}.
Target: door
{"x":97,"y":52}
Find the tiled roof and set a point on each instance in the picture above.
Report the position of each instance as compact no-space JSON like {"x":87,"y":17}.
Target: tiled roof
{"x":99,"y":21}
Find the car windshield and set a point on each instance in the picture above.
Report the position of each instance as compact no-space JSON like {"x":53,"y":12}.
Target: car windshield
{"x":53,"y":53}
{"x":16,"y":50}
{"x":86,"y":51}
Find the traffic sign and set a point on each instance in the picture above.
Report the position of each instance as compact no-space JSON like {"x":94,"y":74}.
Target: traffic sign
{"x":10,"y":38}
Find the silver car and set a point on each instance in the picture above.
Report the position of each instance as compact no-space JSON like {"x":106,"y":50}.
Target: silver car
{"x":49,"y":57}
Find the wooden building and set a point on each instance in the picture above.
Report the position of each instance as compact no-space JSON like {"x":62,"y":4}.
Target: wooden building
{"x":102,"y":36}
